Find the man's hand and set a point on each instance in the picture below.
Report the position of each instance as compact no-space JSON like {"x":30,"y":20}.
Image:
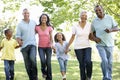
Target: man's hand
{"x":97,"y":40}
{"x":20,"y":42}
{"x":108,"y":30}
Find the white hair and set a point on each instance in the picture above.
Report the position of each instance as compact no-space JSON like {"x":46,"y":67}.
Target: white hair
{"x":83,"y":12}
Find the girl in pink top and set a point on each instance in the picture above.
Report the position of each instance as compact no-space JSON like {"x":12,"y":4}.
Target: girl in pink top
{"x":44,"y":30}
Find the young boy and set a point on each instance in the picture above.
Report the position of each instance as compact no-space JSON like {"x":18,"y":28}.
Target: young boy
{"x":8,"y":45}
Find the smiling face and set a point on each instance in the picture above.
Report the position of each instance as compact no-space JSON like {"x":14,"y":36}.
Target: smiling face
{"x":99,"y":11}
{"x":26,"y":14}
{"x":83,"y":16}
{"x":59,"y":37}
{"x":44,"y":19}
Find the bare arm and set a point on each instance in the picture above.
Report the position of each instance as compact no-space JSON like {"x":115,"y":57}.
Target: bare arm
{"x":70,"y":42}
{"x":94,"y":38}
{"x":51,"y":39}
{"x":114,"y":29}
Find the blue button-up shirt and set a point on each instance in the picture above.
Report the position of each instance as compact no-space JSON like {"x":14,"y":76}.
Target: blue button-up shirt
{"x":26,"y":32}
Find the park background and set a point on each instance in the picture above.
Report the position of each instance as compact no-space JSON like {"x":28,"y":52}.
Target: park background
{"x":63,"y":14}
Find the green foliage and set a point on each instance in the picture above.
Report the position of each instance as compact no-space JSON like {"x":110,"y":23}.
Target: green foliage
{"x":61,"y":11}
{"x":11,"y":5}
{"x":9,"y":8}
{"x":7,"y":24}
{"x":117,"y":41}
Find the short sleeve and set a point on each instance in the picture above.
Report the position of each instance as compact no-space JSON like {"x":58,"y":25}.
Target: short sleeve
{"x":73,"y":30}
{"x":18,"y":31}
{"x":2,"y":43}
{"x":36,"y":29}
{"x":114,"y":23}
{"x":15,"y":43}
{"x":50,"y":29}
{"x":92,"y":27}
{"x":66,"y":43}
{"x":56,"y":47}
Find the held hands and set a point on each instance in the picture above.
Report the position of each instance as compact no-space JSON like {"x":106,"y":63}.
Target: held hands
{"x":67,"y":50}
{"x":20,"y":42}
{"x":54,"y":50}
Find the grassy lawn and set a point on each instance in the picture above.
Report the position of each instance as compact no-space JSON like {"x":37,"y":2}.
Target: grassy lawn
{"x":72,"y":71}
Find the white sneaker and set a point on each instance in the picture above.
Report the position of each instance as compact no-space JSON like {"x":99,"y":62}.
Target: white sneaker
{"x":64,"y":77}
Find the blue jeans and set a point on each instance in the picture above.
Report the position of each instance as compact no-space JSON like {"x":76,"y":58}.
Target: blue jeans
{"x":63,"y":64}
{"x":9,"y":69}
{"x":85,"y":63}
{"x":45,"y":58}
{"x":29,"y":55}
{"x":106,"y":64}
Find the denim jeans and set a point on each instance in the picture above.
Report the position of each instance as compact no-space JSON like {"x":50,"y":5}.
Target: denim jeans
{"x":29,"y":55}
{"x":9,"y":69}
{"x":45,"y":58}
{"x":63,"y":64}
{"x":106,"y":64}
{"x":85,"y":63}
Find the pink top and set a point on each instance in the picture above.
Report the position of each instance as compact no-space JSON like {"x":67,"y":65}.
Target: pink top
{"x":44,"y":36}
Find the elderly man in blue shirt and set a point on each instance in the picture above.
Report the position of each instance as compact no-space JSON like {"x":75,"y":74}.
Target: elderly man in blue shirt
{"x":103,"y":26}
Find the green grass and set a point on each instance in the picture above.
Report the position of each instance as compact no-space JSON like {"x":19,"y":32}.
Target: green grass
{"x":72,"y":71}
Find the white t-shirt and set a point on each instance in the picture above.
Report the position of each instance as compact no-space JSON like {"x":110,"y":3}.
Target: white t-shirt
{"x":81,"y":36}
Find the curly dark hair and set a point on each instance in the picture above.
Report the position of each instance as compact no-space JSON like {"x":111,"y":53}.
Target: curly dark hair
{"x":55,"y":37}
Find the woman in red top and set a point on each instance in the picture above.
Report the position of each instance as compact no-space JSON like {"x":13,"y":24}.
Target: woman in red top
{"x":44,"y":30}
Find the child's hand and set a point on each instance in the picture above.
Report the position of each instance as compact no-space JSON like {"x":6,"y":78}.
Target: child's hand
{"x":20,"y":42}
{"x":67,"y":50}
{"x":54,"y":50}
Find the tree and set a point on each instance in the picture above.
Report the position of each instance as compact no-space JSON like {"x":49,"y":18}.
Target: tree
{"x":68,"y":10}
{"x":8,"y":11}
{"x":60,"y":11}
{"x":8,"y":19}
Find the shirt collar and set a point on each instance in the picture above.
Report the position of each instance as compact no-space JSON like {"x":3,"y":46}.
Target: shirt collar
{"x":102,"y":18}
{"x":7,"y":39}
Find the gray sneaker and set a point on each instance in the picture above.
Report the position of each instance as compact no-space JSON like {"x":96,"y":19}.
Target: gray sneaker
{"x":89,"y":79}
